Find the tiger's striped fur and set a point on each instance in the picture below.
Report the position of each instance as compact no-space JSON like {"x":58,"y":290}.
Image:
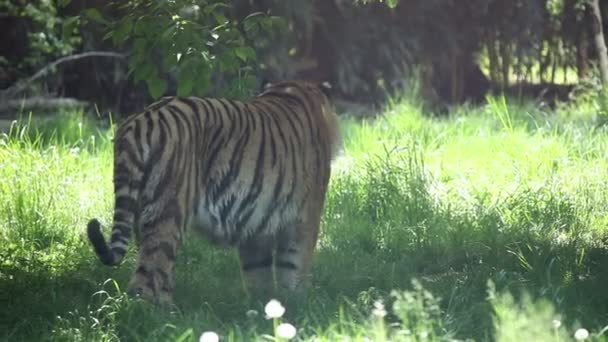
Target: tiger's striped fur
{"x":246,"y":174}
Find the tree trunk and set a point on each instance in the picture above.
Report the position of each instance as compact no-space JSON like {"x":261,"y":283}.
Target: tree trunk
{"x":457,"y":80}
{"x":505,"y":55}
{"x":600,"y":43}
{"x":493,"y":58}
{"x":582,"y":55}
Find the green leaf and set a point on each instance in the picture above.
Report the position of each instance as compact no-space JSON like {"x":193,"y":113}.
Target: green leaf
{"x":143,"y":71}
{"x":186,"y":76}
{"x":392,"y":3}
{"x":266,"y":24}
{"x":279,"y":23}
{"x":244,"y":53}
{"x":251,"y":26}
{"x":140,"y":45}
{"x":122,"y":32}
{"x":69,"y":24}
{"x":247,"y":83}
{"x":156,"y":86}
{"x":142,"y":26}
{"x":108,"y":35}
{"x":228,"y":62}
{"x":63,"y":3}
{"x":220,"y":18}
{"x":203,"y":80}
{"x":95,"y":15}
{"x":169,"y":33}
{"x":185,"y":84}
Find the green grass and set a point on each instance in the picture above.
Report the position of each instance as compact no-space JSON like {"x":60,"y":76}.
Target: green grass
{"x":489,"y":224}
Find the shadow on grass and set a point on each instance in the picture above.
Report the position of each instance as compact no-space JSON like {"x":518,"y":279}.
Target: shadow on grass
{"x":351,"y":272}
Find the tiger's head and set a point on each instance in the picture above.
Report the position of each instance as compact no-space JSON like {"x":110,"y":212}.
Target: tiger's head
{"x":293,"y":87}
{"x":314,"y":97}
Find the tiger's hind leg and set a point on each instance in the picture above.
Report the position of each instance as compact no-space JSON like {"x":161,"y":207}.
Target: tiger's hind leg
{"x":293,"y":259}
{"x":160,"y":235}
{"x":256,"y":256}
{"x":272,"y":265}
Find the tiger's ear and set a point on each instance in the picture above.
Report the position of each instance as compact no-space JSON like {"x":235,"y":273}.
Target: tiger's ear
{"x":326,"y":88}
{"x":265,"y":84}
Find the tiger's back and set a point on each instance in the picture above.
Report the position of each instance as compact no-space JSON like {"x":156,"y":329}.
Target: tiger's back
{"x":247,"y":174}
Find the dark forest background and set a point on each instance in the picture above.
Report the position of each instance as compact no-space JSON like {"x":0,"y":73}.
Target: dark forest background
{"x":450,"y":51}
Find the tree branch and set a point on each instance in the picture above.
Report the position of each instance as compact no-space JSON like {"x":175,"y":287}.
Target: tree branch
{"x":20,"y":86}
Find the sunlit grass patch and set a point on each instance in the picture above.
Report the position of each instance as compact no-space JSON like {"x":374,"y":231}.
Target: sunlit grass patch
{"x":421,"y":213}
{"x":50,"y":184}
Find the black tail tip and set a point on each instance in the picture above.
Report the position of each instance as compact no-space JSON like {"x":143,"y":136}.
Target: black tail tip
{"x":99,"y":243}
{"x":93,"y":228}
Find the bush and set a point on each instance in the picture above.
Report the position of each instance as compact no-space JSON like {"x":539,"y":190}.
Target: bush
{"x":196,"y":43}
{"x":47,"y":34}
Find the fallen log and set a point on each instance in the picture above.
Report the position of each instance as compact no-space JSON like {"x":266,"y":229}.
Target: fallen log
{"x":9,"y":108}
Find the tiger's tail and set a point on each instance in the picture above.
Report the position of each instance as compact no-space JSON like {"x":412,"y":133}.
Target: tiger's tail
{"x":103,"y":251}
{"x":113,"y":252}
{"x":126,"y":199}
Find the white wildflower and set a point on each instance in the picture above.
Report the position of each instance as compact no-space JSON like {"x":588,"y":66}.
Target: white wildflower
{"x":274,"y":309}
{"x":557,"y":323}
{"x":251,"y":313}
{"x":286,"y":331}
{"x":379,"y":310}
{"x":209,"y":336}
{"x":405,"y":332}
{"x":581,"y":334}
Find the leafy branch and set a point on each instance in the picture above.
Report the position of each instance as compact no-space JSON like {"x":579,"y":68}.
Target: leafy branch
{"x":197,"y":44}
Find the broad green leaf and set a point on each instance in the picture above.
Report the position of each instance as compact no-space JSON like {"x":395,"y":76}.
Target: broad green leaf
{"x":220,"y":18}
{"x":244,"y":53}
{"x":185,"y":85}
{"x":143,"y":71}
{"x":251,"y":26}
{"x":247,"y":83}
{"x":156,"y":86}
{"x":228,"y":62}
{"x":69,"y":25}
{"x":108,"y":35}
{"x":142,"y":26}
{"x":186,"y":77}
{"x":266,"y":24}
{"x":95,"y":15}
{"x":203,"y":80}
{"x":279,"y":23}
{"x":140,"y":45}
{"x":169,"y":33}
{"x":63,"y":3}
{"x":122,"y":32}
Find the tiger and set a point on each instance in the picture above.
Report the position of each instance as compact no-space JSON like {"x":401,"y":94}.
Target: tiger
{"x":252,"y":175}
